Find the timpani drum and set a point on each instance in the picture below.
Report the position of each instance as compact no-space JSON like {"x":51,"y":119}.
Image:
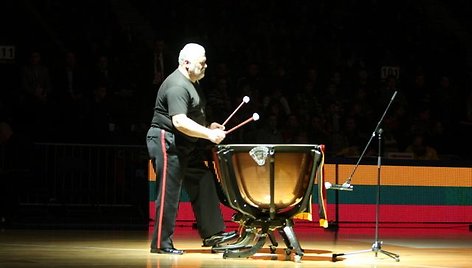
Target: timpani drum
{"x":267,"y":184}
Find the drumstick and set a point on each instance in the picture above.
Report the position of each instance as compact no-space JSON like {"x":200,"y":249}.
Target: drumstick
{"x":254,"y":117}
{"x":245,"y":100}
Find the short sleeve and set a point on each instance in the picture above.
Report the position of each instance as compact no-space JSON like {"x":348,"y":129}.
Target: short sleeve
{"x":177,"y":99}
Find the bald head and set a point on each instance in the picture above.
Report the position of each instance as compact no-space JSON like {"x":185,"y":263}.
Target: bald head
{"x":191,"y":52}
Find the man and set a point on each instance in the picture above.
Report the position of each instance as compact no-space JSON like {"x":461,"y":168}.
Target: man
{"x":178,"y":123}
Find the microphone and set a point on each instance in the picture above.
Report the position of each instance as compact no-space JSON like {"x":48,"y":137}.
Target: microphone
{"x":341,"y":187}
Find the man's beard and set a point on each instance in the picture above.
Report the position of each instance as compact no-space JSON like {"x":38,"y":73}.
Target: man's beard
{"x":199,"y":74}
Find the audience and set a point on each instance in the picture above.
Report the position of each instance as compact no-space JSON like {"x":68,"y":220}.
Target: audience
{"x":312,"y":81}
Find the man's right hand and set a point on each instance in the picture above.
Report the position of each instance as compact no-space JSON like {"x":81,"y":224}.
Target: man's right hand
{"x":216,"y":135}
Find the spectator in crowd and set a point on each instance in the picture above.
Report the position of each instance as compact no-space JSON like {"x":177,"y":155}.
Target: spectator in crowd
{"x":72,"y":89}
{"x":219,"y":102}
{"x":269,"y":132}
{"x":100,"y":121}
{"x":104,"y":73}
{"x":71,"y":81}
{"x":467,"y":107}
{"x":35,"y":98}
{"x":421,"y":150}
{"x":351,"y":138}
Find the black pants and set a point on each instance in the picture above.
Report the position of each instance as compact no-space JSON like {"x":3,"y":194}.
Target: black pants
{"x":177,"y":164}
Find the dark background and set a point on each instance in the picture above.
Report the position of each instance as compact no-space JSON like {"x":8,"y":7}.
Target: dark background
{"x":314,"y":70}
{"x":337,"y":39}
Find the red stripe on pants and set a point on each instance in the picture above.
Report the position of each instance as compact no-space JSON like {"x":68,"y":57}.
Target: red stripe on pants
{"x":163,"y":188}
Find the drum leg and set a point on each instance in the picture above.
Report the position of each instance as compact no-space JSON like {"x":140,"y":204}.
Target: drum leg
{"x":274,"y":245}
{"x":244,"y":253}
{"x":243,"y":242}
{"x":290,"y":239}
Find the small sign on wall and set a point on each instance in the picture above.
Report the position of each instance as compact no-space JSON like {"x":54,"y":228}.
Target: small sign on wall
{"x":389,"y":71}
{"x":7,"y":54}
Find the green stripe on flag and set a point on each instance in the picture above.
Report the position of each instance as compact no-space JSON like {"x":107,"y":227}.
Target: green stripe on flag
{"x":403,"y":195}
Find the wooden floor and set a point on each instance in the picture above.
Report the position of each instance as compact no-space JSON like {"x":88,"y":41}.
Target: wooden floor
{"x":418,"y":246}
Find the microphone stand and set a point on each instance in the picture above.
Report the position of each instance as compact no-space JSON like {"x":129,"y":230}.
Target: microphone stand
{"x":377,"y":245}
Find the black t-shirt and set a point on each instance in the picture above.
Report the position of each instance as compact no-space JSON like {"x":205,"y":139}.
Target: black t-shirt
{"x":178,"y":95}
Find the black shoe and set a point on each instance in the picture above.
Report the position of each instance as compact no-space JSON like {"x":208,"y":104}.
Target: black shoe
{"x":218,"y":238}
{"x":173,"y":251}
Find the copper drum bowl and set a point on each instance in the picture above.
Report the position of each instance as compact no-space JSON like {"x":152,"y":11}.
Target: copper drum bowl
{"x":267,"y":183}
{"x":267,"y":179}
